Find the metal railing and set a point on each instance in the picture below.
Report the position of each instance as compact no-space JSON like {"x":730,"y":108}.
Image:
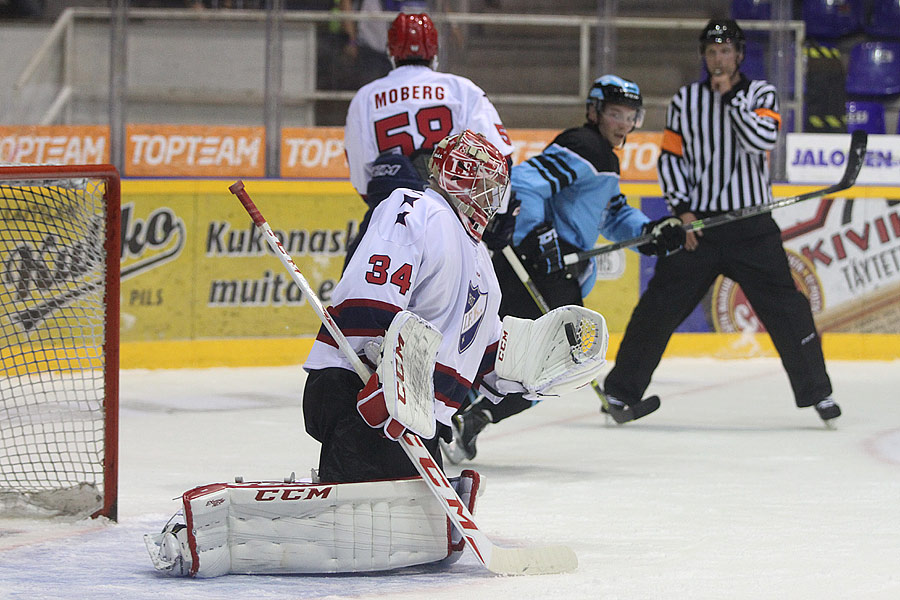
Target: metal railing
{"x":60,"y":39}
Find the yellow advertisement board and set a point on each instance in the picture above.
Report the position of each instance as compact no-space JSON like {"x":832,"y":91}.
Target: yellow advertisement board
{"x":195,"y":267}
{"x":195,"y":270}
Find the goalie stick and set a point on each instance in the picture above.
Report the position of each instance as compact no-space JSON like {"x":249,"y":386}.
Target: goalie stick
{"x":504,"y":561}
{"x":855,"y":157}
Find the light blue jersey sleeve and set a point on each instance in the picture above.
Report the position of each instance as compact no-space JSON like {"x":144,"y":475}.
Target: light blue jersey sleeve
{"x":574,"y":185}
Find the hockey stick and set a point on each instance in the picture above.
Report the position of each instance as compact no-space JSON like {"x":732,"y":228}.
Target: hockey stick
{"x":525,"y":278}
{"x":538,"y":298}
{"x":504,"y":561}
{"x":637,"y":410}
{"x":855,"y":157}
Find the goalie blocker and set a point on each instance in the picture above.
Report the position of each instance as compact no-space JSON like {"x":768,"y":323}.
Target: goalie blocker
{"x":282,"y":528}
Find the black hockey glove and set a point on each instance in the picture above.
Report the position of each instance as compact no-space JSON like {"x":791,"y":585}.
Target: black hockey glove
{"x":668,"y":236}
{"x":498,"y":233}
{"x":540,"y":248}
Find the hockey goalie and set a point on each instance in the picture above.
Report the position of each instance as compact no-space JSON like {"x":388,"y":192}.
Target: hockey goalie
{"x":418,"y":304}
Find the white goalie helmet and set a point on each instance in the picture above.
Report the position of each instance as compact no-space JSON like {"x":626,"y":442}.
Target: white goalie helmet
{"x":473,"y":175}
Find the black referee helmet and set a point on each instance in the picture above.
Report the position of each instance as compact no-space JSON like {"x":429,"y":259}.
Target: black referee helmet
{"x":721,"y":31}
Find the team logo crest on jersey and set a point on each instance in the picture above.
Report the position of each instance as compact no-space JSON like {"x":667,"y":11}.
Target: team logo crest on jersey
{"x":473,"y":315}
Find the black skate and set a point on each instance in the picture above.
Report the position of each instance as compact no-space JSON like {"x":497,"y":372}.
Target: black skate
{"x":623,"y":412}
{"x":828,"y":409}
{"x":466,"y":427}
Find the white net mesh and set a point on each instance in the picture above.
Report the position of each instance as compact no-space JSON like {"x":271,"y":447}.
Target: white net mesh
{"x":52,"y":340}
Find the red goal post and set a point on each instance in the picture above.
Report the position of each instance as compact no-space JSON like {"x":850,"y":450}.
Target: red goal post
{"x":59,"y":339}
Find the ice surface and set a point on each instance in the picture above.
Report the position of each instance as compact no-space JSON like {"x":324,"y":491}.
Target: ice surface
{"x":728,"y":491}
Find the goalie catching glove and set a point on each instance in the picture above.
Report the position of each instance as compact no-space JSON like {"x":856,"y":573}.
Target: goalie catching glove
{"x":560,"y":352}
{"x":400,"y":393}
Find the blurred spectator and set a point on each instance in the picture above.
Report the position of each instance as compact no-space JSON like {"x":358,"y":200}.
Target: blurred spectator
{"x":366,"y":41}
{"x":21,"y":8}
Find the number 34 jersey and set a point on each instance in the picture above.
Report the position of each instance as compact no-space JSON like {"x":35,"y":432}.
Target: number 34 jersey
{"x":417,"y":256}
{"x":411,"y":108}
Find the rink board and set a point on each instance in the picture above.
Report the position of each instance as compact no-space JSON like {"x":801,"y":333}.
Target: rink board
{"x":201,"y":354}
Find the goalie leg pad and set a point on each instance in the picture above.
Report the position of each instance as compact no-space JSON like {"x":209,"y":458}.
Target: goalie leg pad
{"x":276,"y":527}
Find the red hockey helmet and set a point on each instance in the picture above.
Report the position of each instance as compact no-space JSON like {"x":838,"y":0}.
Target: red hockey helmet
{"x":473,"y":175}
{"x":412,"y":37}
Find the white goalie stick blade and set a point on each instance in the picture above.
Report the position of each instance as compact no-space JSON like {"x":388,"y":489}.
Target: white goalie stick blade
{"x":406,"y":371}
{"x":533,"y":560}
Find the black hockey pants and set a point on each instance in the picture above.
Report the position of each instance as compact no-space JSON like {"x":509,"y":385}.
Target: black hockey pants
{"x":351,"y":450}
{"x":750,"y":253}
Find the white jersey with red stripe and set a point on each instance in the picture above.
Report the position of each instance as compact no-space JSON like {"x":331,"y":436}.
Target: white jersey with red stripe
{"x":417,"y":256}
{"x":415,"y":107}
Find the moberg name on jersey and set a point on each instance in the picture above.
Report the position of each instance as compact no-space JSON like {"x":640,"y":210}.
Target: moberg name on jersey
{"x":409,"y":92}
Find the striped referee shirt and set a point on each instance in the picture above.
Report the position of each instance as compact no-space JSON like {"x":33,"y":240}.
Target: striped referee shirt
{"x":715,"y":148}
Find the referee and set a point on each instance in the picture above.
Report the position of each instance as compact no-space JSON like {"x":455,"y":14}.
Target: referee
{"x":714,"y":160}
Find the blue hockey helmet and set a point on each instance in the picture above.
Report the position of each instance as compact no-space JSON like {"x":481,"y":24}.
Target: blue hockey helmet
{"x":612,"y":89}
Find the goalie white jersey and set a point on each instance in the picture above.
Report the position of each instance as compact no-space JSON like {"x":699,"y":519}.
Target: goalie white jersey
{"x":416,"y":255}
{"x":415,"y":107}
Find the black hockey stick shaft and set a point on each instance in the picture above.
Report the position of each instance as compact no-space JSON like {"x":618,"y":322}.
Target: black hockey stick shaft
{"x":522,"y":273}
{"x":855,"y":158}
{"x":525,"y":278}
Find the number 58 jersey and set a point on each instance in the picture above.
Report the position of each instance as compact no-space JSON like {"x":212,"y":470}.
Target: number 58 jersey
{"x":414,"y":107}
{"x":417,"y":256}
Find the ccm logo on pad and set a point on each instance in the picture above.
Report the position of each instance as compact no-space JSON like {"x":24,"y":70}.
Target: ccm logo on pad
{"x":501,"y":348}
{"x":307,"y":493}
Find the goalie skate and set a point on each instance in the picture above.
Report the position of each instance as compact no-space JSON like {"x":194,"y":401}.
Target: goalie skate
{"x":169,"y":548}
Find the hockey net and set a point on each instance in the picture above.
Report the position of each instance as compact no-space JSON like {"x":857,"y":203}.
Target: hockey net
{"x":59,"y":324}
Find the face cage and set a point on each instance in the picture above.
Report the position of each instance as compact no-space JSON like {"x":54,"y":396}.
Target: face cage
{"x":478,"y":204}
{"x":482,"y":200}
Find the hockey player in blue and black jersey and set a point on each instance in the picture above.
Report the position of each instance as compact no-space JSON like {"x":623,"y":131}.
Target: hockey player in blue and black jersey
{"x":570,"y":194}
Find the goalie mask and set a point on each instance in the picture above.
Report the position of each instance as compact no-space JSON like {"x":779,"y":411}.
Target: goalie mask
{"x":472,"y":175}
{"x":412,"y":38}
{"x":612,"y":89}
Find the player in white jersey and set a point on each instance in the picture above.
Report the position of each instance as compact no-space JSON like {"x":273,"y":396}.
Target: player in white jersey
{"x":421,"y":260}
{"x":394,"y":122}
{"x":414,"y":106}
{"x":421,"y":253}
